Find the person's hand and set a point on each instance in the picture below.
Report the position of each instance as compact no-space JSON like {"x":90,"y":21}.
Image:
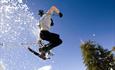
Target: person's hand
{"x":60,"y":14}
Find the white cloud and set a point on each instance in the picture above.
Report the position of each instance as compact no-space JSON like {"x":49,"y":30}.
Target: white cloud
{"x":48,"y":67}
{"x":2,"y":66}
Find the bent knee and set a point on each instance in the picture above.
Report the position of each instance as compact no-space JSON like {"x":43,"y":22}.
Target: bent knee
{"x":60,"y":41}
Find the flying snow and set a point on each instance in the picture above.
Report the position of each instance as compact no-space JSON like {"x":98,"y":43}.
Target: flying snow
{"x":94,"y":35}
{"x":48,"y":67}
{"x":20,"y":1}
{"x":17,"y":23}
{"x":2,"y":66}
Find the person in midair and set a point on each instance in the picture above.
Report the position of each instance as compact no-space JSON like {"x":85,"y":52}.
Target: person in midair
{"x":45,"y":23}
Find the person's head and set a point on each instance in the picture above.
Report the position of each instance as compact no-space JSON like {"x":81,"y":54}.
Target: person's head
{"x":41,"y":13}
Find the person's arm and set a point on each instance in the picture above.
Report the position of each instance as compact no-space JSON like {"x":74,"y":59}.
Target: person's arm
{"x":56,"y":10}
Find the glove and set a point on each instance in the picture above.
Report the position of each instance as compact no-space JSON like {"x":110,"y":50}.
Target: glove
{"x":60,"y":15}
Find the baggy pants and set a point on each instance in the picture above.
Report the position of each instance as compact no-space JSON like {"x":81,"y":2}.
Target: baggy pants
{"x":53,"y":39}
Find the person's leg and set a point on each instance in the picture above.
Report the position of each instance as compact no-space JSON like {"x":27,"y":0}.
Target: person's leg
{"x":54,"y":44}
{"x":54,"y":41}
{"x":44,"y":35}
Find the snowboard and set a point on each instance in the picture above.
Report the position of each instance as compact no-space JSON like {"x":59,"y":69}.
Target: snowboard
{"x":37,"y":54}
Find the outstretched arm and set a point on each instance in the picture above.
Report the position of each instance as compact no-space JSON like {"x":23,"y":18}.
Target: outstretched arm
{"x":56,"y":10}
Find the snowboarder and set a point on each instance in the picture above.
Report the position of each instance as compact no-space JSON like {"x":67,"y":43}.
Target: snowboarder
{"x":45,"y":24}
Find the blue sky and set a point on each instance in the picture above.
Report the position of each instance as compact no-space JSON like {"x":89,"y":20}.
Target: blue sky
{"x":82,"y":20}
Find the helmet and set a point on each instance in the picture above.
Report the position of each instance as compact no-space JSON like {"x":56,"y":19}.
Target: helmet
{"x":41,"y":12}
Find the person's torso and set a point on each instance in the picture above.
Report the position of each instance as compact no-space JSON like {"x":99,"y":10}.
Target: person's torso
{"x":45,"y":22}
